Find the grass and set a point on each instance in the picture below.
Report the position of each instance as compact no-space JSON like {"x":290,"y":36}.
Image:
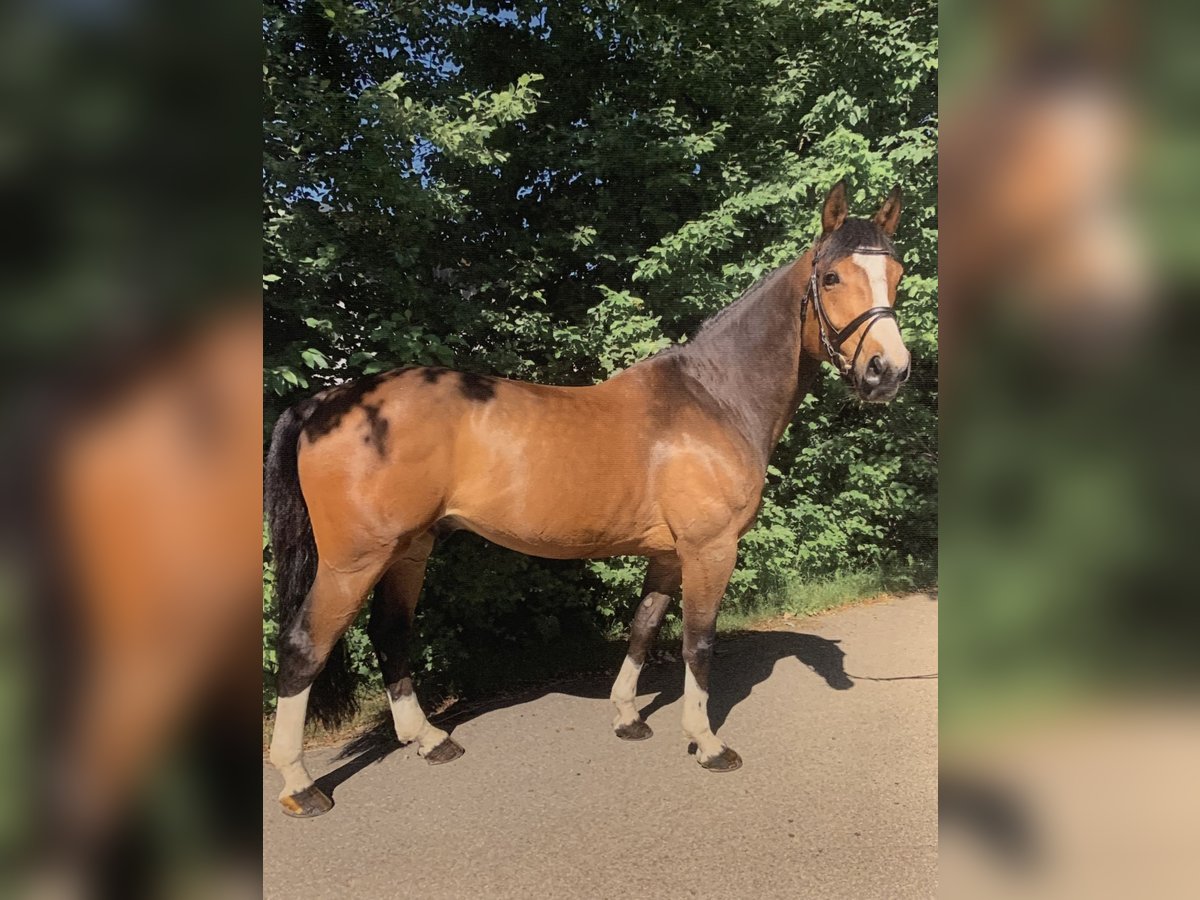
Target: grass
{"x":805,"y":599}
{"x":797,"y":598}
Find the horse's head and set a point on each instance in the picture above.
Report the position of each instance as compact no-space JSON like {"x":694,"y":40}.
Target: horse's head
{"x":848,"y":313}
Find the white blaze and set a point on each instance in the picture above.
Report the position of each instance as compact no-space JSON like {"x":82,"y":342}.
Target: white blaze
{"x":885,"y":333}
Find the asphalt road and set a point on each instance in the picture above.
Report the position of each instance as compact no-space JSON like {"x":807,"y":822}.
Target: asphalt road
{"x":835,"y":717}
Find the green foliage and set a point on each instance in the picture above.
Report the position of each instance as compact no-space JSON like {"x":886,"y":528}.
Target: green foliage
{"x":556,"y":194}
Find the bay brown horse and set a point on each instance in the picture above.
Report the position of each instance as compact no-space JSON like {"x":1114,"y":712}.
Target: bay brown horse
{"x":665,"y":460}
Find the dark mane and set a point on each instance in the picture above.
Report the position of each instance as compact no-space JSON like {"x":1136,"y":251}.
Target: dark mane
{"x":853,"y":234}
{"x":742,"y":363}
{"x":740,"y":311}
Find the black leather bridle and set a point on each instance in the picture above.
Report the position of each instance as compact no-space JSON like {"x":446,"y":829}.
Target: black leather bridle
{"x":833,"y":338}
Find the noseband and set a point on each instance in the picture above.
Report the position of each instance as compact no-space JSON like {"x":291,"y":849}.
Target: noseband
{"x":833,"y":338}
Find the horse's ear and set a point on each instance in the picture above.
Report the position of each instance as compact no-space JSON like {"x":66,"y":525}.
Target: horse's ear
{"x":833,"y":213}
{"x":888,"y":216}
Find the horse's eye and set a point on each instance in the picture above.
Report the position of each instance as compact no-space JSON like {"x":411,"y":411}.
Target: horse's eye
{"x":831,"y":279}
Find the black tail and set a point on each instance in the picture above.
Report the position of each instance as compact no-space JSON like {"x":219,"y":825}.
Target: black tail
{"x":294,"y":560}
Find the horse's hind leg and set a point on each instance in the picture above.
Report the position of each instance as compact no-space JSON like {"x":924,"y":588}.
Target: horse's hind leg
{"x":330,"y":608}
{"x":662,"y":581}
{"x":390,"y":629}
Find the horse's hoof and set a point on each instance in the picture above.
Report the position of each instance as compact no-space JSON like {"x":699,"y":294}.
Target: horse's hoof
{"x":725,"y":761}
{"x":306,"y":804}
{"x":446,"y":751}
{"x":637,"y":730}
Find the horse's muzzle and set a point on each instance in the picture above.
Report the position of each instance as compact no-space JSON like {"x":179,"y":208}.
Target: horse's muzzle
{"x":880,"y":379}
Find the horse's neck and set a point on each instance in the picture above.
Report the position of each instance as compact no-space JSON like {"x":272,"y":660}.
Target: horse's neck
{"x":808,"y":366}
{"x":752,"y":361}
{"x":801,"y":367}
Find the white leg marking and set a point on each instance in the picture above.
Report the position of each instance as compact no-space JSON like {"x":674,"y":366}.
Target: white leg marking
{"x":695,"y":718}
{"x":411,"y":724}
{"x":624,"y":693}
{"x":287,"y":743}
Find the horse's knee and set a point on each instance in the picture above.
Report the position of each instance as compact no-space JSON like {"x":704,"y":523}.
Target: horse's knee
{"x":646,"y":623}
{"x":650,"y":613}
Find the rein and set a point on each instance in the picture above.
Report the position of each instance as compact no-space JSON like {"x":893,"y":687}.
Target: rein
{"x":832,"y":338}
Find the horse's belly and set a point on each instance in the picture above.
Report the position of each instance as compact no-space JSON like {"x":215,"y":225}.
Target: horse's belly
{"x":570,"y":522}
{"x":567,"y":545}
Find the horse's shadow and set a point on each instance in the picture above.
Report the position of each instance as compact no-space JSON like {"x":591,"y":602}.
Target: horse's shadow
{"x":742,"y":661}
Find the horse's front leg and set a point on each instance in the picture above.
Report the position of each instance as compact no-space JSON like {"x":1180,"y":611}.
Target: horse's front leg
{"x":706,"y":572}
{"x":662,"y":581}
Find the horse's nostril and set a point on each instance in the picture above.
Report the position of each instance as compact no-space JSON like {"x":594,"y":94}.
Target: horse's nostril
{"x":875,"y":369}
{"x":904,"y":373}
